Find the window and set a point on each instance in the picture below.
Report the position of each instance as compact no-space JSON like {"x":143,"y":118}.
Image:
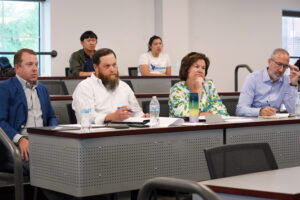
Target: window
{"x":19,"y":26}
{"x":291,"y":34}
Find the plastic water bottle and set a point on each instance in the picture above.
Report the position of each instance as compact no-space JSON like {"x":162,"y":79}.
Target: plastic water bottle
{"x":297,"y":105}
{"x":85,"y":120}
{"x":154,"y":109}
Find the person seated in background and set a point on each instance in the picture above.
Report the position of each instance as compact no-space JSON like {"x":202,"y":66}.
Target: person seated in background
{"x":109,"y":98}
{"x":81,"y":61}
{"x":24,"y":102}
{"x":193,"y":69}
{"x":6,"y":70}
{"x":265,"y":90}
{"x":155,"y":62}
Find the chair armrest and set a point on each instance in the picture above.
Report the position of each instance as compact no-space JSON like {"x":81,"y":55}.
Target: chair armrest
{"x":18,"y":167}
{"x":178,"y":185}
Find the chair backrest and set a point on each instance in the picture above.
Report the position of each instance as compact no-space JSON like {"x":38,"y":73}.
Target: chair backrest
{"x":129,"y":83}
{"x":71,"y":114}
{"x":67,"y":71}
{"x":238,"y":159}
{"x":132,"y":71}
{"x":164,"y":107}
{"x":173,"y":82}
{"x":230,"y":104}
{"x":56,"y":87}
{"x":175,"y":185}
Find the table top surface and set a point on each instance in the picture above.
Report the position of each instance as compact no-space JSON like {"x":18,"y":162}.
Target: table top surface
{"x":281,"y":182}
{"x":104,"y":132}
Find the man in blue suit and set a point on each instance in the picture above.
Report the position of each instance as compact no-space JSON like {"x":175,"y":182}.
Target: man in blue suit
{"x":24,"y":102}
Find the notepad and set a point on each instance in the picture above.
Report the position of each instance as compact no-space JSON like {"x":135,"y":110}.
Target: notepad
{"x":276,"y":116}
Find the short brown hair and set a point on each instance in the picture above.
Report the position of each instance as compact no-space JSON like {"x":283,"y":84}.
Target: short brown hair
{"x":187,"y":62}
{"x":18,"y":55}
{"x":100,"y":53}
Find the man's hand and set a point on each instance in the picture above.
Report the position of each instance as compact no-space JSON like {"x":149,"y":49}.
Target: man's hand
{"x":23,"y":145}
{"x":267,"y":111}
{"x":294,"y":75}
{"x":146,"y":115}
{"x":120,"y":114}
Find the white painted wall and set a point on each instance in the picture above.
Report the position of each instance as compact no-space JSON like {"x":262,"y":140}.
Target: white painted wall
{"x":230,"y":32}
{"x":236,"y":32}
{"x":122,"y":25}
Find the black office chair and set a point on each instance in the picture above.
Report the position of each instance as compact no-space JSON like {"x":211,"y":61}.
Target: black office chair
{"x":129,"y":83}
{"x":11,"y":179}
{"x":164,"y":107}
{"x":173,"y":82}
{"x":67,"y":71}
{"x":56,"y":87}
{"x":230,"y":104}
{"x":71,"y":114}
{"x":238,"y":159}
{"x":175,"y":185}
{"x":132,"y":71}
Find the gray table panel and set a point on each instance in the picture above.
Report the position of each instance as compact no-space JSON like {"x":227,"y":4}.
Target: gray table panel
{"x":283,"y":139}
{"x":83,"y":167}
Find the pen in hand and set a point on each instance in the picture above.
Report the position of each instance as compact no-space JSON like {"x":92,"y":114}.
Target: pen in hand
{"x":126,"y":110}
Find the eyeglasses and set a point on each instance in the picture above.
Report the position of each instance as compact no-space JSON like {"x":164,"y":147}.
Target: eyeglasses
{"x":285,"y":66}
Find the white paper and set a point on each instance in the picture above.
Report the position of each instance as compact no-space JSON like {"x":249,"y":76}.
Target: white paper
{"x":276,"y":116}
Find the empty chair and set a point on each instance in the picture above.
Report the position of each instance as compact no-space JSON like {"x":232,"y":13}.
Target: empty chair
{"x":55,"y":87}
{"x":132,"y":71}
{"x":175,"y":185}
{"x":238,"y":159}
{"x":71,"y":114}
{"x":129,"y":83}
{"x":164,"y":107}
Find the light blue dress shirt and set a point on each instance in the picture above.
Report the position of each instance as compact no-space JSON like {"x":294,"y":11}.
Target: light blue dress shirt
{"x":260,"y":91}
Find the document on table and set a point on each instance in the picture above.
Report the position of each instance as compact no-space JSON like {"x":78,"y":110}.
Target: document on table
{"x":276,"y":116}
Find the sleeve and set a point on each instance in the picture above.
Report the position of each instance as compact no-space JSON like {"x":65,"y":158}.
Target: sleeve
{"x":216,"y":105}
{"x":178,"y":101}
{"x":244,"y":107}
{"x":51,"y":118}
{"x":144,"y":59}
{"x":83,"y":98}
{"x":133,"y":104}
{"x":75,"y":64}
{"x":290,"y":98}
{"x":4,"y":112}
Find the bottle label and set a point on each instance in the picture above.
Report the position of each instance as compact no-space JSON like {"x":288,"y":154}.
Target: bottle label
{"x":154,"y":108}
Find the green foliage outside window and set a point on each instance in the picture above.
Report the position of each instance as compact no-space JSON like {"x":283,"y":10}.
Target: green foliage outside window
{"x":19,"y":26}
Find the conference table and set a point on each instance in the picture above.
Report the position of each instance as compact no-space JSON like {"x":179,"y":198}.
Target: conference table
{"x":274,"y":184}
{"x":116,"y":160}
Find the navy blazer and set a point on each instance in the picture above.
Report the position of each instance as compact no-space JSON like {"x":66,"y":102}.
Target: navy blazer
{"x":14,"y":109}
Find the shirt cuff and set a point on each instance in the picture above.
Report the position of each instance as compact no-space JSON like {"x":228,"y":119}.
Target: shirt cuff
{"x":17,"y":138}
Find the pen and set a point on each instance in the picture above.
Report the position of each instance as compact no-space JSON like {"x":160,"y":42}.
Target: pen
{"x":127,"y":110}
{"x":268,"y":103}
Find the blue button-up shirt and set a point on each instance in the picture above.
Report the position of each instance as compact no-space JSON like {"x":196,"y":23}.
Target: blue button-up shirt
{"x":260,"y":91}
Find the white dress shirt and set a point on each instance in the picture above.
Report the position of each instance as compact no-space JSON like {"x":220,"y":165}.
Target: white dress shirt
{"x":91,"y":93}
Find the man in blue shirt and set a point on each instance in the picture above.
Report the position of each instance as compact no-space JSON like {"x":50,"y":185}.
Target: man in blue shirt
{"x":264,"y":91}
{"x":81,"y":61}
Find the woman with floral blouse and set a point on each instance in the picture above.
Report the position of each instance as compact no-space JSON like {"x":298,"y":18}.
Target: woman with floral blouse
{"x":193,"y":70}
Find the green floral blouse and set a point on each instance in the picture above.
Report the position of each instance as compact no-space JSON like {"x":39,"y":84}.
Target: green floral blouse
{"x":180,"y":96}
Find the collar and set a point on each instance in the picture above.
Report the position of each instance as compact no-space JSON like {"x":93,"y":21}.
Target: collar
{"x":266,"y":76}
{"x":26,"y":84}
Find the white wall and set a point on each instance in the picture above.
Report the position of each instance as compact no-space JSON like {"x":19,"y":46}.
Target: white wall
{"x":230,"y":32}
{"x":236,"y":32}
{"x":124,"y":26}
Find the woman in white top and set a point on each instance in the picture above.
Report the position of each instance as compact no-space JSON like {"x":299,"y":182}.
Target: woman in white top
{"x":154,"y":62}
